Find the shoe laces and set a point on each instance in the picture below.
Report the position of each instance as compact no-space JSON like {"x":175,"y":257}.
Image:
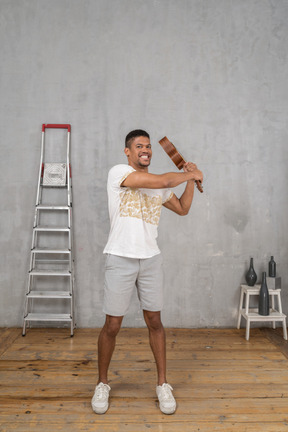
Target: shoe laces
{"x":102,"y":390}
{"x":166,"y":391}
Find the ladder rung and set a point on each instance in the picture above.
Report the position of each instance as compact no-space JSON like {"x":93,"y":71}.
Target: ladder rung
{"x":50,"y":294}
{"x":65,"y":186}
{"x":47,"y":317}
{"x":50,"y":273}
{"x":47,"y":228}
{"x":50,"y":251}
{"x":51,"y":262}
{"x":51,"y":207}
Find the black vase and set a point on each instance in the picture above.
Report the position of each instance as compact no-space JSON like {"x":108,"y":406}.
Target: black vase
{"x":251,"y":276}
{"x":272,"y":267}
{"x":263,"y":297}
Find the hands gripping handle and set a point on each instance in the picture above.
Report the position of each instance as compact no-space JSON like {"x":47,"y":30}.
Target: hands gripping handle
{"x":176,"y":157}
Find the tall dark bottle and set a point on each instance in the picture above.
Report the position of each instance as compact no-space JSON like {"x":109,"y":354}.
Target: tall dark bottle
{"x":251,"y":276}
{"x":263,"y":297}
{"x":272,"y":268}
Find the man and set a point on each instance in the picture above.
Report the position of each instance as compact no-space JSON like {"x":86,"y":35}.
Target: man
{"x":135,"y":198}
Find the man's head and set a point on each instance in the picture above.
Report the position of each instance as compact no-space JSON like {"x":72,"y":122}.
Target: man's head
{"x":138,"y":149}
{"x":134,"y":134}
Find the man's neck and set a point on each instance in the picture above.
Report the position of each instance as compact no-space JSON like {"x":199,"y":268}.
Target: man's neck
{"x":139,"y":168}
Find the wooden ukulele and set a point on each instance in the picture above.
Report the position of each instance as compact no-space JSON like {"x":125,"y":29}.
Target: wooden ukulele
{"x":176,"y":157}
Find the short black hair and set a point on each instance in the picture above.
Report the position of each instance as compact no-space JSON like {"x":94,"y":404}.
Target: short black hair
{"x":134,"y":134}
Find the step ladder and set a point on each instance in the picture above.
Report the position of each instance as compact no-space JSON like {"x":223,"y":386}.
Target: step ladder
{"x":50,"y":291}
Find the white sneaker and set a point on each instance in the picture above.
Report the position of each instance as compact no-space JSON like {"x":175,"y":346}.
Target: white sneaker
{"x":166,"y":398}
{"x":100,"y":400}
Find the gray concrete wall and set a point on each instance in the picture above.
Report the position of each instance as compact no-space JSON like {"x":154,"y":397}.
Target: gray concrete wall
{"x":209,"y":74}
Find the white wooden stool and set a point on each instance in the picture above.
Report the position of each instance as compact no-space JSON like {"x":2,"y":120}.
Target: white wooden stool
{"x":251,"y":314}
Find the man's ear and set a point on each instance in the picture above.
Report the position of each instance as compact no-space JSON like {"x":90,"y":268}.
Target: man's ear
{"x":127,"y":151}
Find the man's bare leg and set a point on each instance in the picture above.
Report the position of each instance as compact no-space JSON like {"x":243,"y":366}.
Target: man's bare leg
{"x":157,"y":340}
{"x":167,"y":403}
{"x":106,"y":345}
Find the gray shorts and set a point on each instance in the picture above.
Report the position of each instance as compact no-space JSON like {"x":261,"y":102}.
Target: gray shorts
{"x":123,"y":275}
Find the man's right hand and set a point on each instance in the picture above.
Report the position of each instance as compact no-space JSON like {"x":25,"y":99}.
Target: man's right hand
{"x":191,"y":167}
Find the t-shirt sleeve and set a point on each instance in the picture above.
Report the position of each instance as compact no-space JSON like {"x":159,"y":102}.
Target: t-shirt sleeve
{"x":118,"y":174}
{"x":167,"y":195}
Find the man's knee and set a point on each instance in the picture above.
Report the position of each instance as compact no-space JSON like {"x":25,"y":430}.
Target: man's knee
{"x":112,"y":325}
{"x":153,"y":320}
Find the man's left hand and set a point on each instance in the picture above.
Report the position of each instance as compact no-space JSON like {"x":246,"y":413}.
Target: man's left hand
{"x":189,"y":167}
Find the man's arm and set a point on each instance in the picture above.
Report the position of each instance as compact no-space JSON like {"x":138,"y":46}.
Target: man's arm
{"x":138,"y":179}
{"x":182,"y":205}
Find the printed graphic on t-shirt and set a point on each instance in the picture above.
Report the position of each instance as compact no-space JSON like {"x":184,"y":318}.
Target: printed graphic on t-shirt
{"x":134,"y":203}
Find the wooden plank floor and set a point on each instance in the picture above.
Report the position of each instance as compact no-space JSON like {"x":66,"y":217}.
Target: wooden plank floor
{"x":221,"y":381}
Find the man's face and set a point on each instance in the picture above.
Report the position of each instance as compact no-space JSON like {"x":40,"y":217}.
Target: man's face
{"x":140,"y":153}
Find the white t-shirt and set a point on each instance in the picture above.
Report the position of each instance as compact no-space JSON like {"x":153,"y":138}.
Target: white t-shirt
{"x":134,"y":216}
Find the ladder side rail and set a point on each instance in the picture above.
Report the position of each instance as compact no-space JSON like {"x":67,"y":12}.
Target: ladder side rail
{"x":68,"y":170}
{"x":71,"y":248}
{"x":73,"y":286}
{"x":69,"y":241}
{"x":33,"y":254}
{"x":27,"y":306}
{"x":69,"y":215}
{"x":24,"y":327}
{"x":36,"y":219}
{"x":29,"y":285}
{"x":73,"y":298}
{"x":33,"y":245}
{"x":72,"y":305}
{"x":38,"y":197}
{"x":32,"y":261}
{"x":71,"y":266}
{"x":30,"y":281}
